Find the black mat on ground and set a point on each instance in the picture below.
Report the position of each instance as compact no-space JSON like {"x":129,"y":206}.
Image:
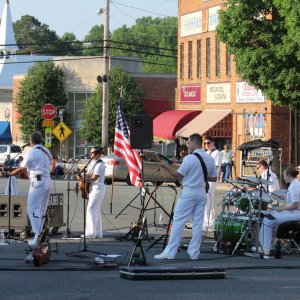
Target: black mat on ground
{"x":171,"y":272}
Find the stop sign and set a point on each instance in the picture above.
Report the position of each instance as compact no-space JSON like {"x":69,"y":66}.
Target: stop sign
{"x":48,"y":111}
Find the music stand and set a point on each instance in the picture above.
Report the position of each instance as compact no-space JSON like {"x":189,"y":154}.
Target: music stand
{"x":166,"y":235}
{"x":85,"y":194}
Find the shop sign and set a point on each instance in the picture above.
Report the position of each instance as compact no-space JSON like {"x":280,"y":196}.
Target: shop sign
{"x":246,"y":93}
{"x":190,"y":94}
{"x":218,"y":93}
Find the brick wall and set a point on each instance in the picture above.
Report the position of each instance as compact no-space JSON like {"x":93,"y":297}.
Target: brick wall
{"x":277,"y":124}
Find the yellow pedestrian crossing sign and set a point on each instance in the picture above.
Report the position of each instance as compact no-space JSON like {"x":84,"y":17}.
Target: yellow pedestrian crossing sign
{"x":61,"y":131}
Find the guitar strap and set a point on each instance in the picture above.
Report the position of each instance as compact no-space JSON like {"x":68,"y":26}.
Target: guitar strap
{"x":90,"y":173}
{"x":42,"y":149}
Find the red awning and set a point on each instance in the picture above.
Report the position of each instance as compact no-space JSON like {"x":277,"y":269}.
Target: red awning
{"x":168,"y":123}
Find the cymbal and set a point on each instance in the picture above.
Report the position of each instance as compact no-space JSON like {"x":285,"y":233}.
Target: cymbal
{"x":279,"y":195}
{"x":257,"y":180}
{"x":236,"y":181}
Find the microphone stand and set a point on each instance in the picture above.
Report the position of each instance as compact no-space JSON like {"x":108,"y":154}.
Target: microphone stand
{"x":68,"y":173}
{"x":84,"y":194}
{"x":9,"y":195}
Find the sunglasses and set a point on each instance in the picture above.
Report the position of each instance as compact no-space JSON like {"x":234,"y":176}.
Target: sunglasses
{"x":207,"y":143}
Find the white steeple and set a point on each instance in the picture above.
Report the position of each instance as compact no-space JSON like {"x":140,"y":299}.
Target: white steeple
{"x":8,"y":43}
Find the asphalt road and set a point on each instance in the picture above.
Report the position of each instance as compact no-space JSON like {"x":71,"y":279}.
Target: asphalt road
{"x":71,"y":276}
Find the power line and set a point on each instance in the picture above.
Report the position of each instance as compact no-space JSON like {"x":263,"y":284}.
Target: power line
{"x":148,"y":11}
{"x":162,"y":26}
{"x":82,"y":42}
{"x":87,"y":58}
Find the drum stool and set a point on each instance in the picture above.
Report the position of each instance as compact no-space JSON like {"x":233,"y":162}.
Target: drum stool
{"x":289,"y":231}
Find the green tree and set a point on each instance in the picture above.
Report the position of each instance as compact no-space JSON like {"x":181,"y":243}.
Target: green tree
{"x":33,"y":36}
{"x":95,"y":38}
{"x":70,"y":46}
{"x":260,"y":34}
{"x":43,"y":84}
{"x":154,"y":40}
{"x":91,"y":117}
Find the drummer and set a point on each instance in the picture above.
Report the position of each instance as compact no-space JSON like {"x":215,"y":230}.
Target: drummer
{"x":290,"y":212}
{"x":266,"y":173}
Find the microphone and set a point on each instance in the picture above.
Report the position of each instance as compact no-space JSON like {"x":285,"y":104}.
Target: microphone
{"x":158,"y":170}
{"x":25,"y":145}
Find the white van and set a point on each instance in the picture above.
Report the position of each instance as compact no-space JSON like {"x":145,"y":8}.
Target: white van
{"x":11,"y":150}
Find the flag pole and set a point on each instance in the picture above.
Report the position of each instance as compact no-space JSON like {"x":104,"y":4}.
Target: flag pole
{"x":113,"y":173}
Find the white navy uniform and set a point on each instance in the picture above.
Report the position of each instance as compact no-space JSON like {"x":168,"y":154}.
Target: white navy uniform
{"x":191,"y":202}
{"x":96,"y":195}
{"x":272,"y":177}
{"x":37,"y":161}
{"x":209,"y":214}
{"x":266,"y":230}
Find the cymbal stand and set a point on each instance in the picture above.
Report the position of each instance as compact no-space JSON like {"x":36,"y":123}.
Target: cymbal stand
{"x":85,"y":248}
{"x":166,"y":235}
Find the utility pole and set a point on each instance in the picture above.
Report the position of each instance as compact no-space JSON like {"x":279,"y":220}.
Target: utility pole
{"x":105,"y":101}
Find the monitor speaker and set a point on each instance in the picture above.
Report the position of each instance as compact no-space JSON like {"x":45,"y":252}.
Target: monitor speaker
{"x":141,"y":131}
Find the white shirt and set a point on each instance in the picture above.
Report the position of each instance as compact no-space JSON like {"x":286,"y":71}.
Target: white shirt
{"x":273,"y":178}
{"x":37,"y":162}
{"x":95,"y":168}
{"x":217,"y":156}
{"x":192,"y":172}
{"x":293,"y":192}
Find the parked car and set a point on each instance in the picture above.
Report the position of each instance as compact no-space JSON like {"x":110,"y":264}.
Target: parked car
{"x":11,"y":150}
{"x":151,"y":169}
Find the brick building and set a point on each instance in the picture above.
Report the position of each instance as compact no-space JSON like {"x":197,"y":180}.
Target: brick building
{"x":231,"y":110}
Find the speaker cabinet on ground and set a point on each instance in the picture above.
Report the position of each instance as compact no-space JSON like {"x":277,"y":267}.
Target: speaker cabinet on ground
{"x":141,"y":132}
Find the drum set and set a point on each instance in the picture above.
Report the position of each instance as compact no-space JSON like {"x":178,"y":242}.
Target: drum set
{"x":243,"y":208}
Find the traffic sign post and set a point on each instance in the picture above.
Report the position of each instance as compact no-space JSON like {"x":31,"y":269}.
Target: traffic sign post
{"x":48,"y":136}
{"x":61,"y":131}
{"x":48,"y":111}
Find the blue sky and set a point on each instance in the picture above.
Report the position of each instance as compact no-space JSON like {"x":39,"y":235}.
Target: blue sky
{"x":79,"y":16}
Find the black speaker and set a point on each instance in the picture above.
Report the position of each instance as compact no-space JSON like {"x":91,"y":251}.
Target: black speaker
{"x":141,"y":132}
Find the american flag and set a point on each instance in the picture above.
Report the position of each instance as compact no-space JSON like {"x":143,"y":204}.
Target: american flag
{"x":122,"y":148}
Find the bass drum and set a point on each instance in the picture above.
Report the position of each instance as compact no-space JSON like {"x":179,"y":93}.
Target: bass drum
{"x":233,"y":228}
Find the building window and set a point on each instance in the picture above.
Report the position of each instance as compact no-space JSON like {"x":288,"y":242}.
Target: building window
{"x":199,"y":74}
{"x":181,"y":61}
{"x":228,"y":64}
{"x":190,"y":60}
{"x":213,"y":18}
{"x":218,"y":58}
{"x":77,"y":145}
{"x":208,"y":57}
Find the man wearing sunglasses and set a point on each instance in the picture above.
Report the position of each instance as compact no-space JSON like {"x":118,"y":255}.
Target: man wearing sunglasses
{"x":209,"y":214}
{"x":266,"y":173}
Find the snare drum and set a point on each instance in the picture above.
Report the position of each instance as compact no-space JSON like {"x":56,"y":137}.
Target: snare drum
{"x":233,"y":227}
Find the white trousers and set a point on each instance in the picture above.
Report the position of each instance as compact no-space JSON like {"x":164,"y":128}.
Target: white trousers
{"x":37,"y":202}
{"x":270,"y":226}
{"x":190,"y":204}
{"x":209,"y":213}
{"x":93,"y":212}
{"x":13,"y":186}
